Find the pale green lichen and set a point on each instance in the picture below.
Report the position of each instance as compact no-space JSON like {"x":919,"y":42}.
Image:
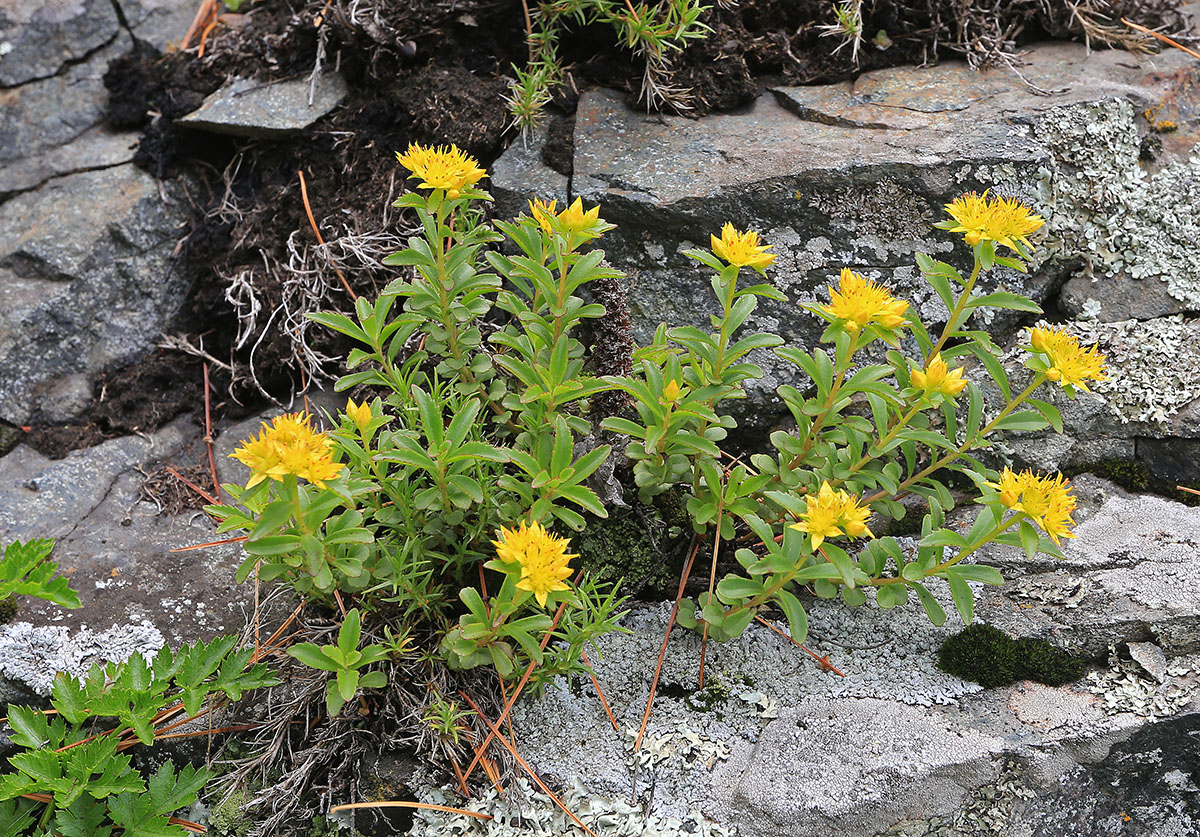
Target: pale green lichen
{"x":525,"y":812}
{"x":1103,"y":208}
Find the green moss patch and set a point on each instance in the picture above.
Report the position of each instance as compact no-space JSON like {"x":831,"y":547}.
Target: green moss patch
{"x":990,"y":657}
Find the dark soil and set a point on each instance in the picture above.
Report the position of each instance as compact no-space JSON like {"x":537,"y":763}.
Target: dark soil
{"x":434,"y":71}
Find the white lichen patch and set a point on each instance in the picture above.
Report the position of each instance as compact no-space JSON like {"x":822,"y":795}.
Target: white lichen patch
{"x":526,"y":812}
{"x":35,"y":655}
{"x":1102,"y":207}
{"x":1126,"y":687}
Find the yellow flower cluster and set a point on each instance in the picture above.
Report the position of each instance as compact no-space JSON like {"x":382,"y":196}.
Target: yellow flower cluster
{"x":1047,"y":500}
{"x":831,"y":513}
{"x":1003,"y":220}
{"x":938,"y":377}
{"x":289,"y":446}
{"x":859,"y":303}
{"x":444,"y":167}
{"x":572,"y":220}
{"x":741,"y":248}
{"x":1069,"y":363}
{"x":543,"y":558}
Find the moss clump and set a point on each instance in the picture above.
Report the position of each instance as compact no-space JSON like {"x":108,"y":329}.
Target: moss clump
{"x":990,"y":657}
{"x":8,"y":609}
{"x":227,"y":820}
{"x":643,"y":546}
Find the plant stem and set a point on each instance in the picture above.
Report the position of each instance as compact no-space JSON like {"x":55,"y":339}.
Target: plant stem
{"x":830,"y":399}
{"x":952,"y":323}
{"x":963,"y":448}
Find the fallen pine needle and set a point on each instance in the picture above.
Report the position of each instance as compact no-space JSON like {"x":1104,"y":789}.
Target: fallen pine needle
{"x":599,"y":691}
{"x":317,"y":232}
{"x":192,"y":486}
{"x":662,"y":652}
{"x":823,"y":662}
{"x":1161,"y":37}
{"x":401,"y":804}
{"x":207,"y":545}
{"x":495,"y":732}
{"x":508,"y":705}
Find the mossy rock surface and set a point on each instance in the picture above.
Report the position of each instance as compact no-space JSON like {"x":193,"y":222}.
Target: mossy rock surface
{"x":8,"y":609}
{"x":641,"y":547}
{"x":990,"y":657}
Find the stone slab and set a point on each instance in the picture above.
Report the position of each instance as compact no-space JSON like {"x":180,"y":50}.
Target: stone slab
{"x":249,"y":108}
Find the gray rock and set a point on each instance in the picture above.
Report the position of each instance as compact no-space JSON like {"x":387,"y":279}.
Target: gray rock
{"x":855,"y":173}
{"x":86,"y":280}
{"x":773,"y":745}
{"x":1110,"y":299}
{"x":115,"y":546}
{"x":248,"y":108}
{"x":1151,"y":658}
{"x":1130,"y":575}
{"x":37,"y":39}
{"x":95,"y":148}
{"x":40,"y":116}
{"x":161,"y":23}
{"x":520,"y":176}
{"x":1147,"y":410}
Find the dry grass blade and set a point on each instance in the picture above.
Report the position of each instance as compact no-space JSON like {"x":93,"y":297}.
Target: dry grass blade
{"x":1161,"y":37}
{"x":495,"y":733}
{"x":401,"y":804}
{"x":1188,"y":490}
{"x":662,"y":652}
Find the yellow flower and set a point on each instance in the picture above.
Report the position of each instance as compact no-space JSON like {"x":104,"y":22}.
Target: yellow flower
{"x":1069,"y":363}
{"x":741,"y":248}
{"x":289,"y":446}
{"x":1003,"y":220}
{"x":360,"y":414}
{"x":831,"y":513}
{"x":672,"y":391}
{"x":543,"y":213}
{"x":542,"y":556}
{"x":858,"y":303}
{"x":444,"y":167}
{"x":938,"y":377}
{"x":1047,"y":500}
{"x":574,"y":219}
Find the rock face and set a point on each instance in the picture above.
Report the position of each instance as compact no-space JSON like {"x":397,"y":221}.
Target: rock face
{"x":854,"y":174}
{"x":114,"y":544}
{"x":248,"y":108}
{"x":772,"y":745}
{"x":87,"y":281}
{"x":86,"y":278}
